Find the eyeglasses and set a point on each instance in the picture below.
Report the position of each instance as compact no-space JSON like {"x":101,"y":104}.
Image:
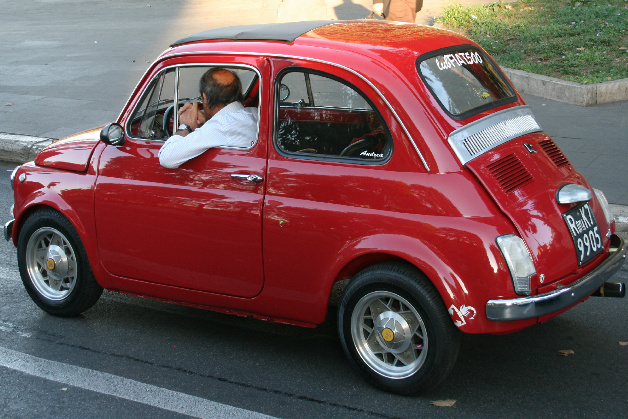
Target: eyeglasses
{"x":192,"y":100}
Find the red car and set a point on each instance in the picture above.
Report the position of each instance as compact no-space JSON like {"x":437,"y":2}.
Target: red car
{"x":394,"y":164}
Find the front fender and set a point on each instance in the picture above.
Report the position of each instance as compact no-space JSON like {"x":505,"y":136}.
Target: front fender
{"x":41,"y":188}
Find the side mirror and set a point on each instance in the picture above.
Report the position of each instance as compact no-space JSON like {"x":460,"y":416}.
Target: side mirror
{"x":112,"y":134}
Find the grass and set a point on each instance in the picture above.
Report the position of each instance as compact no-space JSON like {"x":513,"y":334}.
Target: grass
{"x":585,"y":41}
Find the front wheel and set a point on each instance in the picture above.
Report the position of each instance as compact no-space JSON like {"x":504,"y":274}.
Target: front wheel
{"x":54,"y":267}
{"x":395,"y":328}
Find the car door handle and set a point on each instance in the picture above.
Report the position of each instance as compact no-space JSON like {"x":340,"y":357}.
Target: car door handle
{"x":248,"y":178}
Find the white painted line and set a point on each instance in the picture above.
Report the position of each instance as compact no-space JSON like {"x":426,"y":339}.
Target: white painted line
{"x":124,"y":388}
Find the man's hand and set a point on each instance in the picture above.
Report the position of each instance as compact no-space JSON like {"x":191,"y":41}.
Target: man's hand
{"x":189,"y":114}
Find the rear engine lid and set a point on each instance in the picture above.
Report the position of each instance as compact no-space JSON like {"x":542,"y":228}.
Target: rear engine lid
{"x":523,"y":169}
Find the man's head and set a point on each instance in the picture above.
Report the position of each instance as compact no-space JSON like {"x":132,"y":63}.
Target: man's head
{"x":219,"y":87}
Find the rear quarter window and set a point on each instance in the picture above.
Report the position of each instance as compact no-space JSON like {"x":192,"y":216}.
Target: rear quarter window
{"x":322,"y":117}
{"x":464,"y":80}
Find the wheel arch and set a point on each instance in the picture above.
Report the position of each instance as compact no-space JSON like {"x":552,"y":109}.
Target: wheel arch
{"x":414,"y":252}
{"x":88,"y":238}
{"x":41,"y":204}
{"x":59,"y":280}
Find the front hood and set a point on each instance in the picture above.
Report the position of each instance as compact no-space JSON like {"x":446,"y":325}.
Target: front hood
{"x":71,"y":153}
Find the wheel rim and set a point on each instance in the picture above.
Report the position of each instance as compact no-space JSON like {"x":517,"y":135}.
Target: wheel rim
{"x":51,"y":263}
{"x":389,"y":334}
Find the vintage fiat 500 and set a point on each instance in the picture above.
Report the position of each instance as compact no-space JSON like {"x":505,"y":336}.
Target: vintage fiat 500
{"x":394,"y":163}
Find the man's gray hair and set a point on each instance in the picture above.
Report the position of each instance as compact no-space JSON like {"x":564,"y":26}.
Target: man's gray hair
{"x":220,"y":94}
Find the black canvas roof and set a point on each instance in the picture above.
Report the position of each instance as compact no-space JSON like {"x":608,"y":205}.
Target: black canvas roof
{"x":286,"y":32}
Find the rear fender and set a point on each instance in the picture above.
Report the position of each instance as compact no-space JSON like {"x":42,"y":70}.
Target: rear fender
{"x":368,"y":251}
{"x":464,"y":293}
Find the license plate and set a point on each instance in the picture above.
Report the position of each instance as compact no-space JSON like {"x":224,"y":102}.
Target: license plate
{"x":584,"y":232}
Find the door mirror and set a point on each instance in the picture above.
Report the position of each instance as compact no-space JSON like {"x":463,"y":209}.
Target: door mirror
{"x":112,"y":134}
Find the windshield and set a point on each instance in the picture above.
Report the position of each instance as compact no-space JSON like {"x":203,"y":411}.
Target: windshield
{"x":464,"y":81}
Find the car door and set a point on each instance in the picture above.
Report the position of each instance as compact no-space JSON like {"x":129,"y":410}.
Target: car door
{"x":196,"y":227}
{"x":331,"y":179}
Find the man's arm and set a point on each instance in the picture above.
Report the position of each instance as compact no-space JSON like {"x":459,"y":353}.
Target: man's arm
{"x":177,"y":149}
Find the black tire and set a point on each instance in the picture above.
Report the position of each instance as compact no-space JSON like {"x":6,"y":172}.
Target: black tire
{"x":54,"y":266}
{"x":395,"y":328}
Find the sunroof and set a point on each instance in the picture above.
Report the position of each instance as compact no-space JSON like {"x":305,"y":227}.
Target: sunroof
{"x":286,"y":32}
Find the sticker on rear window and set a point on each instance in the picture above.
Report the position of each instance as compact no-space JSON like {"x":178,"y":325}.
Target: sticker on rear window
{"x":458,"y":60}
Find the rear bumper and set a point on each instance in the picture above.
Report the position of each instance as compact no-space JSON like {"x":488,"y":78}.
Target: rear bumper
{"x":551,"y":302}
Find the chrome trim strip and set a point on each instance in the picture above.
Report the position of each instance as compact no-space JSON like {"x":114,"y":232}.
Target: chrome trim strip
{"x":175,"y":103}
{"x":571,"y":193}
{"x":551,"y":302}
{"x":381,"y":96}
{"x":478,"y":137}
{"x":8,"y":230}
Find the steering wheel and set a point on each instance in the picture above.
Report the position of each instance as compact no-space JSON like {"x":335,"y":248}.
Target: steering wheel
{"x":168,"y":121}
{"x":167,"y":124}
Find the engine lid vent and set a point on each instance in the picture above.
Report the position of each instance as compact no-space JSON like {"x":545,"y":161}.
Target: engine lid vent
{"x":554,"y":153}
{"x":510,"y":173}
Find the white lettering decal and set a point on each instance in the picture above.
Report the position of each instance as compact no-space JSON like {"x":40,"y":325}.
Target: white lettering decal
{"x":459,"y":315}
{"x":452,"y":60}
{"x":372,"y":154}
{"x":459,"y":59}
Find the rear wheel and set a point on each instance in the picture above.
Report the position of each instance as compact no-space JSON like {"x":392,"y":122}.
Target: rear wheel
{"x":395,"y":328}
{"x":54,"y":267}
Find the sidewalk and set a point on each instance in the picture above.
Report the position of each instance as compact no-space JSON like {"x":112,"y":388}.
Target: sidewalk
{"x":67,"y":67}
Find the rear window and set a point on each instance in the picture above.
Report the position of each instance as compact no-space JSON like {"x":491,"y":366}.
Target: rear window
{"x":464,"y":80}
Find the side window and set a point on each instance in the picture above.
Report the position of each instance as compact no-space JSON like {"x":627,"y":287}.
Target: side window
{"x":190,"y":77}
{"x":323,"y":117}
{"x":148,"y":118}
{"x":153,"y":117}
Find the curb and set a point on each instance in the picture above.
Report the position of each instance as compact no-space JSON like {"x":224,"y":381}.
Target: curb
{"x":620,"y":213}
{"x":568,"y":91}
{"x":22,"y":148}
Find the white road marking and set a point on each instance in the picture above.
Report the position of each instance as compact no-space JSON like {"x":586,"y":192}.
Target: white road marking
{"x":124,"y":388}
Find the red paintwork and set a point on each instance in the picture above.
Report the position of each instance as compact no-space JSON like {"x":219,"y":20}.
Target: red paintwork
{"x":537,"y":215}
{"x":72,"y":153}
{"x":275,"y":249}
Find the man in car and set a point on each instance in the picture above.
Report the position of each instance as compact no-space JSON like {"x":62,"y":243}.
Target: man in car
{"x":222,"y":121}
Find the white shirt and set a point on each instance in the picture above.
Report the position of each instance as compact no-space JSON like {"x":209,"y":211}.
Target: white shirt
{"x":232,"y":126}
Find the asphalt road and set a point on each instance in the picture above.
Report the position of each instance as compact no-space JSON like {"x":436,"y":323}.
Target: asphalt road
{"x":129,"y":357}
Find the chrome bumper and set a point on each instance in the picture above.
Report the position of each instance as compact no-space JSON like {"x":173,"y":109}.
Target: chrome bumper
{"x":551,"y":302}
{"x":8,"y":230}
